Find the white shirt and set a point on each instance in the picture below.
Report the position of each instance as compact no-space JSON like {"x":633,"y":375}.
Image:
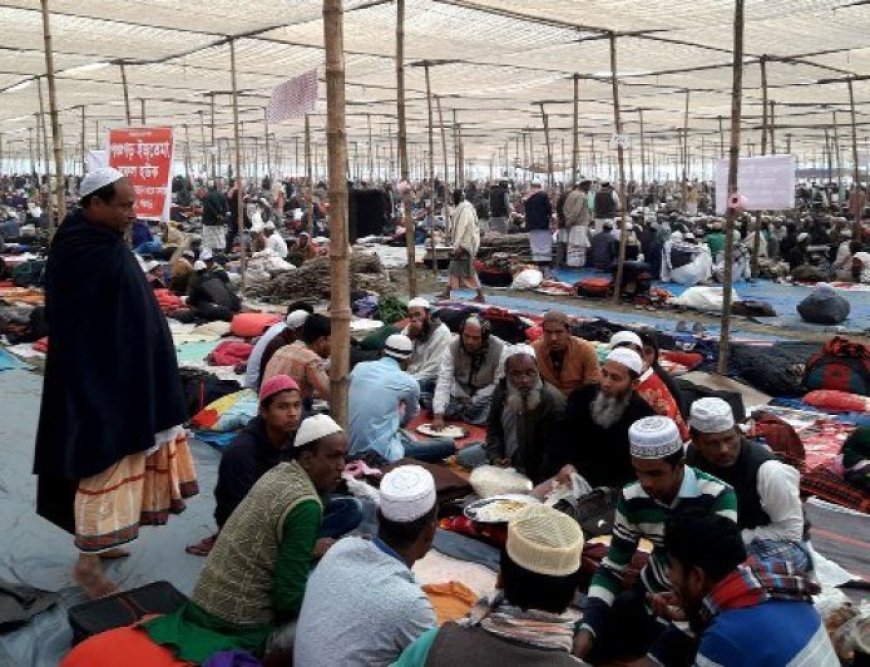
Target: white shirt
{"x":426,"y":358}
{"x":252,"y":373}
{"x":277,"y":245}
{"x":778,"y":489}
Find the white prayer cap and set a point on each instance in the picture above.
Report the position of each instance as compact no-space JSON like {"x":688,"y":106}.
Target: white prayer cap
{"x":98,"y":178}
{"x":150,"y":265}
{"x":297,"y":318}
{"x":654,"y":438}
{"x":398,"y":346}
{"x":545,"y":541}
{"x":199,"y":265}
{"x":677,"y":236}
{"x":803,"y":236}
{"x":270,"y":226}
{"x":257,"y":227}
{"x":536,"y":183}
{"x":407,"y":493}
{"x":419,"y":302}
{"x":711,"y":415}
{"x":314,"y":428}
{"x":188,"y":253}
{"x":206,"y":255}
{"x":628,"y":358}
{"x":688,"y":236}
{"x":625,"y":337}
{"x":518,"y":349}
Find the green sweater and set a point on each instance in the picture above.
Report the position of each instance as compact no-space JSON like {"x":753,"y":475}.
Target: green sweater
{"x":232,"y":581}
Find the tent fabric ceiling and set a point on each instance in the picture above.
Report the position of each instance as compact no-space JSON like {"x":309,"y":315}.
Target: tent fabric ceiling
{"x":492,"y":62}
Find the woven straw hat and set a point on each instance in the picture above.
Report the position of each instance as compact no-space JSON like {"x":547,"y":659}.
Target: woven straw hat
{"x":543,"y":540}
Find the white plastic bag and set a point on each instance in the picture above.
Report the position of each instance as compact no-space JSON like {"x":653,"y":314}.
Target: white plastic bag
{"x":528,"y":279}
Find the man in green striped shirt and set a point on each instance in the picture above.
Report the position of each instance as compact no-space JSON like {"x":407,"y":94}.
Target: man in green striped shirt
{"x":616,"y":622}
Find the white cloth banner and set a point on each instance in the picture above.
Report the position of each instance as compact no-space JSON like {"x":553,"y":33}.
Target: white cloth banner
{"x":767,"y":182}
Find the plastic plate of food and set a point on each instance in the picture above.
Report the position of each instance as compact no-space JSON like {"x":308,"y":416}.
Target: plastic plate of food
{"x":449,"y":431}
{"x":498,"y":509}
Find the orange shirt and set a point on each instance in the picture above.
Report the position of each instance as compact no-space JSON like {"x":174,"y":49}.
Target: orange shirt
{"x":579,"y":367}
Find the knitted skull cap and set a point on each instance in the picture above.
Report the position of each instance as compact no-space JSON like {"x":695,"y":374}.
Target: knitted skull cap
{"x":276,"y":384}
{"x":297,"y":318}
{"x":314,"y":428}
{"x":398,"y":346}
{"x":654,"y":438}
{"x":711,"y":415}
{"x":407,"y":493}
{"x":545,"y":541}
{"x":628,"y":358}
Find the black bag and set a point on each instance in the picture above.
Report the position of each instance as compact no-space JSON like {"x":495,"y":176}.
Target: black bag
{"x":819,"y":308}
{"x":691,"y":392}
{"x":201,"y":388}
{"x":123,"y":609}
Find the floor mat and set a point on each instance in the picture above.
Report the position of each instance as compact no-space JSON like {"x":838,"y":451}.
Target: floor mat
{"x":9,"y":361}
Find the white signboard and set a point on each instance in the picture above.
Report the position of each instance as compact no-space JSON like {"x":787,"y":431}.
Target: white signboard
{"x":767,"y":182}
{"x":620,"y":141}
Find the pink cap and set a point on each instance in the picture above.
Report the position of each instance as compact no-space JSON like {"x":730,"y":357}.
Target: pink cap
{"x":277,"y":384}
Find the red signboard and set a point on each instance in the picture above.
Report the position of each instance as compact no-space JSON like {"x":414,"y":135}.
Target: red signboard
{"x":144,"y":156}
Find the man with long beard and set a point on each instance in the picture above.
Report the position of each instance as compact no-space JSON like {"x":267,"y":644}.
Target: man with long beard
{"x":593,"y":438}
{"x":524,"y":417}
{"x":430,"y":338}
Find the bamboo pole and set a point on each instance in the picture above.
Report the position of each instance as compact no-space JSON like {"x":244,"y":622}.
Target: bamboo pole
{"x":685,"y":160}
{"x":240,"y":193}
{"x":642,"y":155}
{"x":403,"y":148}
{"x":215,"y":159}
{"x":857,"y":230}
{"x":721,"y":139}
{"x":756,"y":243}
{"x":829,"y":156}
{"x":186,"y":152}
{"x":837,"y":154}
{"x":142,"y":109}
{"x":339,"y":261}
{"x":36,"y":156}
{"x":30,"y":146}
{"x":268,"y":148}
{"x":127,"y":113}
{"x":547,"y":142}
{"x":772,"y":126}
{"x":83,"y":138}
{"x":445,"y":209}
{"x":55,"y":126}
{"x":431,"y":170}
{"x":97,"y":134}
{"x":45,"y":196}
{"x":617,"y":123}
{"x":202,"y":139}
{"x":309,"y":185}
{"x":575,"y":151}
{"x":371,"y":156}
{"x":733,"y":164}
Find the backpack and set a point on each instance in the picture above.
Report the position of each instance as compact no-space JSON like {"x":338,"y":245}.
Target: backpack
{"x":28,"y":273}
{"x":841,"y":365}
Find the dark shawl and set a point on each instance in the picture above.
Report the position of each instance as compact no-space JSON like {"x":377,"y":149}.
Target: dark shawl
{"x":111,"y":376}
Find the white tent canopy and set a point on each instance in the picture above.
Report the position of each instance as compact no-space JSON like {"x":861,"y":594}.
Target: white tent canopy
{"x":492,"y":61}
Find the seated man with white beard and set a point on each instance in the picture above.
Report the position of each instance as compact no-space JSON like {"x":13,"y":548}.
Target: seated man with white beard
{"x":524,"y":416}
{"x":593,"y":436}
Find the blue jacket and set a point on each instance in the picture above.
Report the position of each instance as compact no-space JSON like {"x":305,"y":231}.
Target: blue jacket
{"x":377,"y":389}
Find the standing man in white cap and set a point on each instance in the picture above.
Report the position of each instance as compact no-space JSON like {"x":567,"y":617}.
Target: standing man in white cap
{"x":664,"y":486}
{"x":770,"y":514}
{"x":593,"y":440}
{"x":345,"y":623}
{"x":383,"y":398}
{"x":430,"y":338}
{"x":112,"y":403}
{"x":528,"y":622}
